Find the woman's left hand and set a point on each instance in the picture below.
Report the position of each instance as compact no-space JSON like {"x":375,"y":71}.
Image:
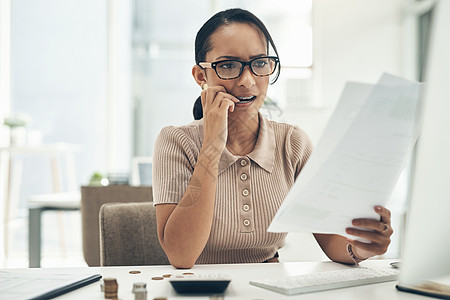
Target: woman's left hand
{"x":378,"y":236}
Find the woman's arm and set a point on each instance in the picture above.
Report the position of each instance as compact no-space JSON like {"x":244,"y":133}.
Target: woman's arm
{"x":184,"y":229}
{"x":335,"y":246}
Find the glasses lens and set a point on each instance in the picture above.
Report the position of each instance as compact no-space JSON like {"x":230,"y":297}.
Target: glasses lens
{"x":228,"y":69}
{"x":264,"y":66}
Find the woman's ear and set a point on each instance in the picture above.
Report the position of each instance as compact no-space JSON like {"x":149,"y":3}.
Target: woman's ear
{"x":199,"y":75}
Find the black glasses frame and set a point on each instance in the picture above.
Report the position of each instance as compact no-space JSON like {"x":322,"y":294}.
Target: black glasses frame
{"x":213,"y":65}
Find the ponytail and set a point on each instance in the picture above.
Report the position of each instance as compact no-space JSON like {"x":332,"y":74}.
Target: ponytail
{"x":198,"y":109}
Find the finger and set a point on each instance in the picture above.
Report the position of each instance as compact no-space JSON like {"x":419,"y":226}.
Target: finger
{"x":372,"y":236}
{"x":203,"y":98}
{"x":375,"y":248}
{"x":215,"y":92}
{"x":384,"y":213}
{"x":228,"y":96}
{"x":369,"y":224}
{"x":219,"y":89}
{"x":378,"y":226}
{"x":210,"y":93}
{"x":227,"y":104}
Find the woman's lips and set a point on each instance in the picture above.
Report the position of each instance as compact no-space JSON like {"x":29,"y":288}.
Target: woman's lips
{"x":244,"y":100}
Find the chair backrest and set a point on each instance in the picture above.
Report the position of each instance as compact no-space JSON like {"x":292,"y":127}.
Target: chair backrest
{"x":92,"y":198}
{"x":128,"y":235}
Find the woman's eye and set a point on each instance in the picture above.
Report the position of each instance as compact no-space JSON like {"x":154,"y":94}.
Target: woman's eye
{"x":229,"y":65}
{"x":260,"y":63}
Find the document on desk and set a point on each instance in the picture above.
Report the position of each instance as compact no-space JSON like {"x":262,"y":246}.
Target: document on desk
{"x":358,"y":159}
{"x":40,"y":284}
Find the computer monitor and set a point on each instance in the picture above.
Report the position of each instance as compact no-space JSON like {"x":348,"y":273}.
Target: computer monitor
{"x":141,"y":171}
{"x":426,"y":252}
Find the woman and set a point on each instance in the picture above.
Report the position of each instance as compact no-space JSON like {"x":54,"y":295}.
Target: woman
{"x":219,"y":181}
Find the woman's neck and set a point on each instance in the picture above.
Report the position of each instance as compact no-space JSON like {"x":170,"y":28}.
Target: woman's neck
{"x":242,"y":134}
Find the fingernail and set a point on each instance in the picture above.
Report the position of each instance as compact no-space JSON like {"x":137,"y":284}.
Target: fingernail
{"x":378,"y":208}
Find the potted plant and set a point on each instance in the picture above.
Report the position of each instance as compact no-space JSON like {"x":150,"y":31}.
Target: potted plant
{"x":17,"y":124}
{"x":97,"y":179}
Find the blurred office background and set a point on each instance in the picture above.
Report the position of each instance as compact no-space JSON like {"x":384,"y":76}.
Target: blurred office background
{"x":107,"y":75}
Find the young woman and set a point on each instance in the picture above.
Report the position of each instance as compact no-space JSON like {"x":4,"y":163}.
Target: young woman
{"x":219,"y":181}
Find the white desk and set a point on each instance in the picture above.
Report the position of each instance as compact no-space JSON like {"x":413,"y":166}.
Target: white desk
{"x":239,"y":287}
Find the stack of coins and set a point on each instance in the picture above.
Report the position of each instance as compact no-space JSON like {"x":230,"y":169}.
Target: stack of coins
{"x":140,"y":294}
{"x":110,"y":287}
{"x":139,"y":285}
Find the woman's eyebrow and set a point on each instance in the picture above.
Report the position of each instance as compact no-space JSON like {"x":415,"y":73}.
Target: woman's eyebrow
{"x":227,"y":57}
{"x":258,"y":55}
{"x":238,"y":58}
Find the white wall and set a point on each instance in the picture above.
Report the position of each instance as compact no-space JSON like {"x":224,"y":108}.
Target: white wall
{"x":354,"y":40}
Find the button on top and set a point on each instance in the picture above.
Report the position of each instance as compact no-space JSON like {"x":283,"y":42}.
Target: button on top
{"x":245,"y":192}
{"x":246,"y":207}
{"x":246,"y":222}
{"x":243,"y":176}
{"x":243,"y":162}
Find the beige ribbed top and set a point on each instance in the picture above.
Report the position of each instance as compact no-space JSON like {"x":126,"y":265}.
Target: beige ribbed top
{"x":250,"y":188}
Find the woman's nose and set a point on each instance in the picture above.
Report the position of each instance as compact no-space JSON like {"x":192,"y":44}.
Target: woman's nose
{"x":247,"y":78}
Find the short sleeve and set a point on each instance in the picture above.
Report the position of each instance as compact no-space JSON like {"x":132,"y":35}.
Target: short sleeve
{"x":174,"y":161}
{"x":301,"y":148}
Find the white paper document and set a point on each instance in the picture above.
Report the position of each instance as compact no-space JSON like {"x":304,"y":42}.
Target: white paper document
{"x":39,"y":284}
{"x":358,"y":160}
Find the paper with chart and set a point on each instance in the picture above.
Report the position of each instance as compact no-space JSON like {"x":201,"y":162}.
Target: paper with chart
{"x":358,"y":160}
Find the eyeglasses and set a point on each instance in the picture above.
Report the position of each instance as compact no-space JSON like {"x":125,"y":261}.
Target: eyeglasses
{"x":231,"y":69}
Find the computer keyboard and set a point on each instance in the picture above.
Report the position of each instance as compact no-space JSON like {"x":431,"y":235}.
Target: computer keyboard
{"x":327,"y":280}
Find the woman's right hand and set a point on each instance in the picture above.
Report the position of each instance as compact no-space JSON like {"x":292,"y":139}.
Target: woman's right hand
{"x":216,"y":102}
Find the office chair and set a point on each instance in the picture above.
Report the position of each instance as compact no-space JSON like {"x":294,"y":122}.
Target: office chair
{"x":92,"y":198}
{"x":128,"y":235}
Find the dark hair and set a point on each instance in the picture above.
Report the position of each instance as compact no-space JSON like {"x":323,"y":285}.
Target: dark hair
{"x":226,"y":17}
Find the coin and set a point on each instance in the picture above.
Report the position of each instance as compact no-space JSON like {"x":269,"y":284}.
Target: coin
{"x":188,"y":273}
{"x":167,"y":275}
{"x":135,"y":272}
{"x":160,"y":298}
{"x":157,"y":278}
